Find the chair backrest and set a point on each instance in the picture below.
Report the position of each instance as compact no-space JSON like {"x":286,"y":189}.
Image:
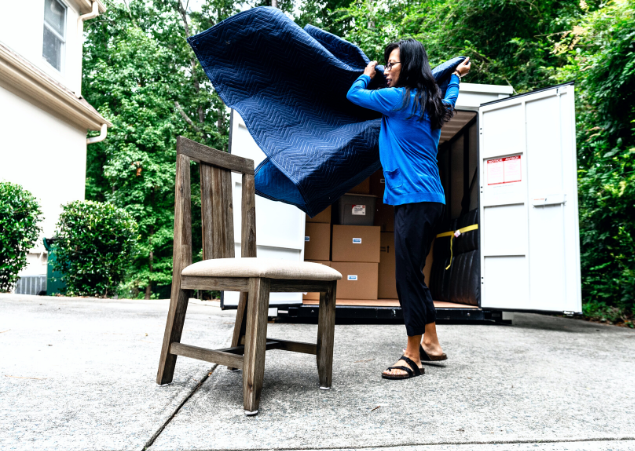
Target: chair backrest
{"x":216,"y":204}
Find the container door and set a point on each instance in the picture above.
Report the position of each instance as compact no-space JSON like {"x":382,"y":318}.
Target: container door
{"x":279,"y":227}
{"x":530,"y":257}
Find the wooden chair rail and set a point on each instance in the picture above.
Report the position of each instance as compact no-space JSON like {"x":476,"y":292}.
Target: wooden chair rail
{"x":273,"y":344}
{"x":203,"y":154}
{"x":291,"y":286}
{"x":293,"y":346}
{"x":242,"y":284}
{"x":215,"y":283}
{"x":208,"y":355}
{"x":233,"y":357}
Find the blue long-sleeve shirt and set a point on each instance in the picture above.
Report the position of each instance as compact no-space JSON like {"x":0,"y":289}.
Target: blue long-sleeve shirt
{"x":407,"y":147}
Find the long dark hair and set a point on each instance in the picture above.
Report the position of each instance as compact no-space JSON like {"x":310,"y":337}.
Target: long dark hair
{"x":416,"y":74}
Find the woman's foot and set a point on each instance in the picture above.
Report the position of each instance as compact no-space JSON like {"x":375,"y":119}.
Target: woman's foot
{"x":430,"y":344}
{"x":433,"y":350}
{"x":432,"y":356}
{"x":397,"y":373}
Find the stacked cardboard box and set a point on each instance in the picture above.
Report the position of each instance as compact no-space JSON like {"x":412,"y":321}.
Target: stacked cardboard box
{"x":317,"y":243}
{"x":355,"y":252}
{"x":384,"y":214}
{"x":387,"y":288}
{"x":364,"y":254}
{"x":385,"y":220}
{"x":355,"y":248}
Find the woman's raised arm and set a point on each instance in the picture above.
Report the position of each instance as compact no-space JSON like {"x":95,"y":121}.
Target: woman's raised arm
{"x":383,"y":101}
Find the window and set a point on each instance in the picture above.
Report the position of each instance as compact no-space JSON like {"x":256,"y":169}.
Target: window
{"x":54,"y":32}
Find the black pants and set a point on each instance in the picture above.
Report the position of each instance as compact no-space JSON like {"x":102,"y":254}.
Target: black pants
{"x":415,"y":228}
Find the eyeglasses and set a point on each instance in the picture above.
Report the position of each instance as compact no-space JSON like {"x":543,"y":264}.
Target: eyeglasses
{"x":389,"y":66}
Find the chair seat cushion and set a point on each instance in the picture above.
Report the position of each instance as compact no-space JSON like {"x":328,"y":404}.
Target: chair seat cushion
{"x":261,"y":267}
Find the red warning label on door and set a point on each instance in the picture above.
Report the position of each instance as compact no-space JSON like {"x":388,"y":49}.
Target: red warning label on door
{"x":504,"y":170}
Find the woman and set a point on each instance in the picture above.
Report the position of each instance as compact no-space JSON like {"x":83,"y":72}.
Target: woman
{"x":413,"y":113}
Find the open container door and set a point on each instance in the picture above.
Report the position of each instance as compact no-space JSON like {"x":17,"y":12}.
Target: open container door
{"x":530,"y":248}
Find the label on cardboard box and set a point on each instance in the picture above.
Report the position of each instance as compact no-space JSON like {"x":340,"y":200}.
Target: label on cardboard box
{"x":359,"y":210}
{"x":357,"y":241}
{"x":352,"y":277}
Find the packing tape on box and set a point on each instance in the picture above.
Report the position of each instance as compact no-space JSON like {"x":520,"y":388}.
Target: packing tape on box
{"x":455,"y":234}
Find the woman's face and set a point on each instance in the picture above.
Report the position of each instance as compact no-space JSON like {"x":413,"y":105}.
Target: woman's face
{"x":392,"y":74}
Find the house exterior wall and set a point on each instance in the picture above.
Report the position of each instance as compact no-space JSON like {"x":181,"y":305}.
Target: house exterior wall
{"x":44,"y":154}
{"x":21,"y":29}
{"x":43,"y":125}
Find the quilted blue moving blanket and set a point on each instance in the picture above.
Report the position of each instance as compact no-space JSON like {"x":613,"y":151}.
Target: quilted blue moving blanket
{"x":289,"y":85}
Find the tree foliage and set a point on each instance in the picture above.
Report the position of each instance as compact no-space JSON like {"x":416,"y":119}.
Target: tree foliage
{"x":508,"y":41}
{"x":600,"y":50}
{"x":141,"y":74}
{"x":19,"y":217}
{"x":94,"y":244}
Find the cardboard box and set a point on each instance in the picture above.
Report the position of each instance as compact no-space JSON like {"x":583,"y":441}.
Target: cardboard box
{"x":428,"y":267}
{"x":355,"y":209}
{"x":359,"y":280}
{"x":355,"y":244}
{"x":314,"y":296}
{"x":387,"y":288}
{"x":362,"y":188}
{"x":384,"y":214}
{"x":317,"y":241}
{"x":324,"y":216}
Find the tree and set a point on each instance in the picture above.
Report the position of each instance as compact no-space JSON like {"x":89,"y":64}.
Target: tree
{"x":601,"y":59}
{"x":141,"y":74}
{"x":321,"y":13}
{"x":508,"y":41}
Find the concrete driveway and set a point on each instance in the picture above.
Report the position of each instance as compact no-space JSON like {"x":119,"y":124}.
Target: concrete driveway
{"x":78,"y":374}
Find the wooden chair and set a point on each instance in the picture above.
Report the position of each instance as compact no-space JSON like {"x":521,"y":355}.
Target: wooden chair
{"x":255,"y":278}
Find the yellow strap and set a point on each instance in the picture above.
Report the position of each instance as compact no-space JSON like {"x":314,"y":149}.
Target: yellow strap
{"x":451,"y":235}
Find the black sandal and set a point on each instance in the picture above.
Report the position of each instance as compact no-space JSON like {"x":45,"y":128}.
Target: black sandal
{"x":423,"y":355}
{"x":413,"y":371}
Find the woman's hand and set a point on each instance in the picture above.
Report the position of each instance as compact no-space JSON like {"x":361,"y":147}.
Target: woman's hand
{"x":370,"y":69}
{"x":464,"y":68}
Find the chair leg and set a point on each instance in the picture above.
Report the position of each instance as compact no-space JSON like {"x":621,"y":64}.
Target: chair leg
{"x":173,"y":331}
{"x":326,"y":336}
{"x":241,"y":321}
{"x":255,"y":343}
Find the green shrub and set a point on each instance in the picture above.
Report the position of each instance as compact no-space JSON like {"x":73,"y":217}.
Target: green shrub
{"x":19,"y":217}
{"x":95,"y":244}
{"x":600,"y":311}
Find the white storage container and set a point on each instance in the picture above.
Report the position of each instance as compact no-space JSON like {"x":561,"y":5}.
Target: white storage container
{"x":527,"y":199}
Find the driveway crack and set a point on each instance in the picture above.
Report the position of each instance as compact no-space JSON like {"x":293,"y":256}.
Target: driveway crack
{"x":178,"y":408}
